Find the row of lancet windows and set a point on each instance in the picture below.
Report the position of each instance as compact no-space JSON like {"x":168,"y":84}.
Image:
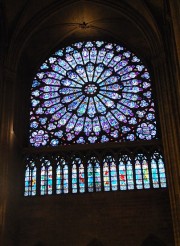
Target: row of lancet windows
{"x":56,"y":176}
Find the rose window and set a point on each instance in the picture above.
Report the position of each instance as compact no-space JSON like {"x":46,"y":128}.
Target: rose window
{"x":91,"y":92}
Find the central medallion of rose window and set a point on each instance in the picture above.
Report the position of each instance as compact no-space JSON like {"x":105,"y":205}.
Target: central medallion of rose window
{"x":90,"y":89}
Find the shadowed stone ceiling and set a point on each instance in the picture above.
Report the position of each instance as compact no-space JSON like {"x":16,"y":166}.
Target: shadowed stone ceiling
{"x":39,"y":27}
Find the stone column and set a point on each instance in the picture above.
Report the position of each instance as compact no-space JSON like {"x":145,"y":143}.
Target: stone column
{"x":166,"y":69}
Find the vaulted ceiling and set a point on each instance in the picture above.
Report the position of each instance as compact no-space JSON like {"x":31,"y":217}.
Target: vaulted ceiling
{"x":38,"y":27}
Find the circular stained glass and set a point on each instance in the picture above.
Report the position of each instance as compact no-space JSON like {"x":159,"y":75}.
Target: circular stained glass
{"x":91,"y":92}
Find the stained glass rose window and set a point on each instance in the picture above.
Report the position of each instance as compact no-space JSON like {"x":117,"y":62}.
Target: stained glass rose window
{"x":91,"y":92}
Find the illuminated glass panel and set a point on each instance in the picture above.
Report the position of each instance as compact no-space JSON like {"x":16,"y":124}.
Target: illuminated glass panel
{"x":145,"y":170}
{"x":65,"y":179}
{"x":46,"y":177}
{"x":111,"y":178}
{"x":74,"y":178}
{"x":154,"y":171}
{"x":78,"y":178}
{"x":142,"y":172}
{"x":59,"y":179}
{"x":30,"y":179}
{"x":60,"y":175}
{"x":106,"y":175}
{"x":130,"y":178}
{"x":158,"y":171}
{"x":122,"y":172}
{"x":138,"y":172}
{"x":91,"y":92}
{"x":81,"y":178}
{"x":162,"y":174}
{"x":97,"y":171}
{"x":90,"y":174}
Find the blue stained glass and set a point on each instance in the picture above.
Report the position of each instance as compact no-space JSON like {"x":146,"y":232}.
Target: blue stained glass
{"x":146,"y":85}
{"x":75,"y":104}
{"x":162,"y":174}
{"x":98,"y":70}
{"x":90,"y":175}
{"x":135,"y":59}
{"x":81,"y":140}
{"x":34,"y":124}
{"x":91,"y":108}
{"x":71,"y":60}
{"x":81,"y":73}
{"x":88,"y":126}
{"x":130,"y":96}
{"x":125,"y":110}
{"x":72,"y":122}
{"x":108,"y":103}
{"x":49,"y":81}
{"x":112,"y":120}
{"x":120,"y":65}
{"x":126,"y":70}
{"x":106,"y":74}
{"x":92,"y":87}
{"x":154,"y":171}
{"x":74,"y":178}
{"x":127,"y":54}
{"x":104,"y":139}
{"x":35,"y":83}
{"x":101,"y":55}
{"x":97,"y":176}
{"x":96,"y":126}
{"x":130,"y":179}
{"x":93,"y":55}
{"x":106,"y":177}
{"x":64,"y":119}
{"x":105,"y":124}
{"x":46,"y":178}
{"x":69,"y":90}
{"x":113,"y":175}
{"x":99,"y":43}
{"x":108,"y":58}
{"x":52,"y":102}
{"x":59,"y":179}
{"x":158,"y":171}
{"x":79,"y":125}
{"x":53,"y":109}
{"x":100,"y":106}
{"x":122,"y":175}
{"x":145,"y":174}
{"x":85,"y":54}
{"x":69,"y":49}
{"x":113,"y":87}
{"x":114,"y":61}
{"x":109,"y":174}
{"x":92,"y":139}
{"x":34,"y":102}
{"x":119,"y":115}
{"x":64,"y":64}
{"x":81,"y":179}
{"x":90,"y":71}
{"x":30,"y":179}
{"x":138,"y":171}
{"x":78,"y":58}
